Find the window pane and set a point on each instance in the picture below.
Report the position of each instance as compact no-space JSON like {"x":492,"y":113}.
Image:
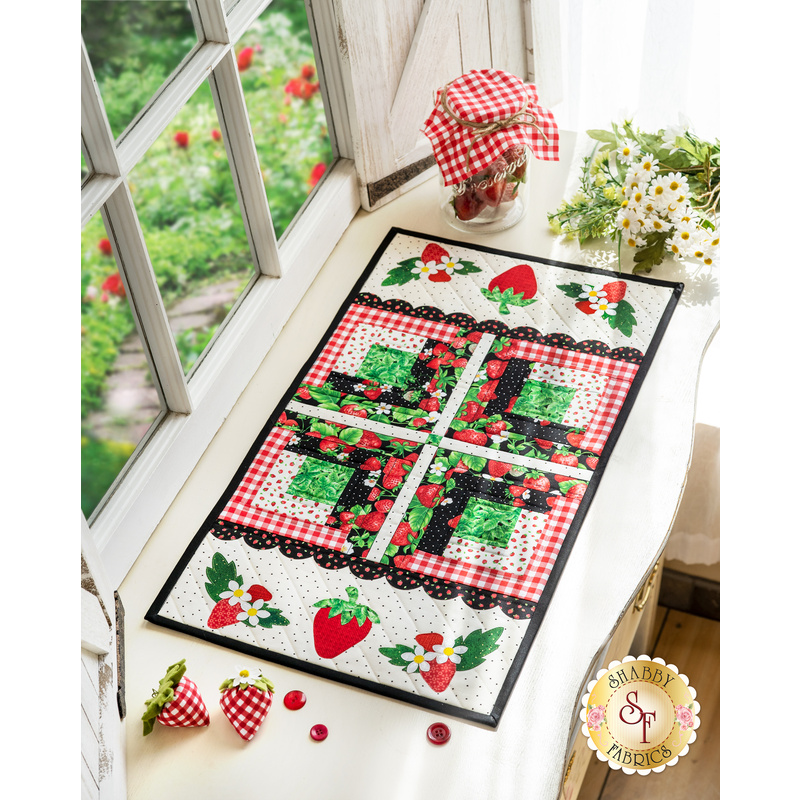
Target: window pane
{"x":133,"y":46}
{"x":118,"y":401}
{"x":187,"y":206}
{"x":281,"y":86}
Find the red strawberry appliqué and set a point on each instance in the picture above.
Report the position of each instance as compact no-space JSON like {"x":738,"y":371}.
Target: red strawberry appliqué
{"x":514,"y":287}
{"x":341,"y":624}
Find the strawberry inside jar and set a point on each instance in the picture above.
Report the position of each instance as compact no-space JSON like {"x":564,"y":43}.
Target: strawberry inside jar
{"x":484,"y":127}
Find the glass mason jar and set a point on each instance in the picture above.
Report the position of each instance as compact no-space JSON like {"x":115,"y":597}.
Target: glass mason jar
{"x":490,"y":200}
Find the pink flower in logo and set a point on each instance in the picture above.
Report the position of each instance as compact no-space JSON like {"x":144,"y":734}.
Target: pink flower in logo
{"x":596,"y":717}
{"x":684,"y":716}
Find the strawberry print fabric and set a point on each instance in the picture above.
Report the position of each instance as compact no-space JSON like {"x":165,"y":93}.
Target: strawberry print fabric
{"x":400,"y":521}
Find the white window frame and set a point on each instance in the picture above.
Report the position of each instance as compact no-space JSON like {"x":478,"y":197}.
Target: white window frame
{"x":194,"y":406}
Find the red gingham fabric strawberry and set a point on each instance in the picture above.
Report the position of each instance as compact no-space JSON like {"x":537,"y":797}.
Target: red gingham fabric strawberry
{"x":487,"y":100}
{"x":246,"y":699}
{"x":176,"y":703}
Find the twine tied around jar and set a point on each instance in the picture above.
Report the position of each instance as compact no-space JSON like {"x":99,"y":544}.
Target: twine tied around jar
{"x":479,"y":129}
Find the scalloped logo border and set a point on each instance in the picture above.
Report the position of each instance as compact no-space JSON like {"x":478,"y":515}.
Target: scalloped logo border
{"x":629,"y":673}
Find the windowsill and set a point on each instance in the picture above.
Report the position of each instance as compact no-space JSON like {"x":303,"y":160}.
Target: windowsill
{"x":533,"y":736}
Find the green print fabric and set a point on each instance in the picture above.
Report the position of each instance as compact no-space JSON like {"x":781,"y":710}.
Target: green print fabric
{"x":320,"y":481}
{"x":386,"y":365}
{"x":544,"y":401}
{"x":487,"y":523}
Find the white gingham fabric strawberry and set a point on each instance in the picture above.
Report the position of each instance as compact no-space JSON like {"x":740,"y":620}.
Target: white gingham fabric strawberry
{"x":176,"y":703}
{"x":246,"y":699}
{"x":496,"y":111}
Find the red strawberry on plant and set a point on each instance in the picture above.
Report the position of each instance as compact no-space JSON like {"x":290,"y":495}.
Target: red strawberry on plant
{"x":341,"y":624}
{"x":374,"y":494}
{"x":575,"y":439}
{"x":354,"y":410}
{"x":303,"y":393}
{"x":495,"y":368}
{"x":472,"y":411}
{"x":176,"y":703}
{"x":330,"y":443}
{"x":372,"y":464}
{"x":401,"y":535}
{"x":486,"y":392}
{"x":371,"y":522}
{"x":540,"y":483}
{"x":591,"y":462}
{"x":439,"y":277}
{"x":585,"y":306}
{"x":495,"y":428}
{"x":514,"y":287}
{"x":578,"y":490}
{"x":373,"y":394}
{"x":472,"y":437}
{"x":615,"y":291}
{"x":497,"y":468}
{"x":543,"y":443}
{"x":567,"y":459}
{"x":428,"y":494}
{"x":453,"y":523}
{"x":246,"y":700}
{"x":369,"y":441}
{"x":258,"y":592}
{"x":384,"y":506}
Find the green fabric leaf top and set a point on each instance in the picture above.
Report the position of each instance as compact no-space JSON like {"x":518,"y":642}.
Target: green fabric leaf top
{"x":220,"y":574}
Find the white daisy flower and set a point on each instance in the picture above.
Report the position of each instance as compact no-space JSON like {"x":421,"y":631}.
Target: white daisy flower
{"x":628,"y":221}
{"x":648,"y":166}
{"x":359,"y":387}
{"x":424,"y":269}
{"x":235,"y":594}
{"x":243,"y":678}
{"x":370,"y":482}
{"x":628,"y":151}
{"x":588,"y":292}
{"x":418,"y":660}
{"x":499,"y":438}
{"x":383,"y":408}
{"x":604,"y":307}
{"x":449,"y":652}
{"x":437,"y":468}
{"x":253,"y":613}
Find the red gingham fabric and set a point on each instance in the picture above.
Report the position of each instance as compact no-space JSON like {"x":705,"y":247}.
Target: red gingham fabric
{"x":187,"y":710}
{"x":246,"y":709}
{"x":486,"y":96}
{"x":530,"y":584}
{"x":620,"y":375}
{"x":238,"y":509}
{"x":362,"y":315}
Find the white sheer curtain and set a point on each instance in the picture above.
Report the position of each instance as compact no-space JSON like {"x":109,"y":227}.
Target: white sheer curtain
{"x":657,"y":61}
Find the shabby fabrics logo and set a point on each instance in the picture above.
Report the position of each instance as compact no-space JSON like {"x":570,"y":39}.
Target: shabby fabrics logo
{"x":640,"y":715}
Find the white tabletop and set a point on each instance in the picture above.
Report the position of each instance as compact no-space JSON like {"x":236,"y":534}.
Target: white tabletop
{"x":377,"y":748}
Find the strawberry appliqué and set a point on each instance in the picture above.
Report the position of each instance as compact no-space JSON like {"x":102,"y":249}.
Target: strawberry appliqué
{"x":435,"y":264}
{"x":236,"y":604}
{"x":437,"y":661}
{"x":341,"y":624}
{"x":514,"y":287}
{"x":607,"y":299}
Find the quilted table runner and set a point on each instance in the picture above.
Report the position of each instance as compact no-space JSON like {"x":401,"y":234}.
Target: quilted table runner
{"x":401,"y":521}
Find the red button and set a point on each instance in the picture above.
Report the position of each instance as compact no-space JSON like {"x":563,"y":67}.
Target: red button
{"x":319,"y":732}
{"x":294,"y":700}
{"x":438,"y":733}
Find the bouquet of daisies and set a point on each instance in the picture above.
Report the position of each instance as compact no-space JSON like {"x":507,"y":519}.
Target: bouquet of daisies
{"x":656,"y":193}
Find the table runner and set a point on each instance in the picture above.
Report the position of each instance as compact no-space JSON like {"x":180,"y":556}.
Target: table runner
{"x":401,"y":521}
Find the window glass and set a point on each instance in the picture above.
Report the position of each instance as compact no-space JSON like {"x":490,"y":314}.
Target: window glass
{"x":187,"y":206}
{"x":133,"y":47}
{"x":118,"y":401}
{"x":281,"y":88}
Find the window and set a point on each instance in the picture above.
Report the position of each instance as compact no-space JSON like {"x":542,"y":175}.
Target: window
{"x":209,"y":159}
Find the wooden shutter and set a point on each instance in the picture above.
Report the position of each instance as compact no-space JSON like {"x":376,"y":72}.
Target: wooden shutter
{"x":395,"y":55}
{"x":102,"y":696}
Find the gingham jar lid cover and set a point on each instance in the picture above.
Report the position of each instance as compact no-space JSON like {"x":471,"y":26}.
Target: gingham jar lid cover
{"x":496,"y":111}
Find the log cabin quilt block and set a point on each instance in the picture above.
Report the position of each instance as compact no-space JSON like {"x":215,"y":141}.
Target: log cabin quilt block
{"x":400,"y":524}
